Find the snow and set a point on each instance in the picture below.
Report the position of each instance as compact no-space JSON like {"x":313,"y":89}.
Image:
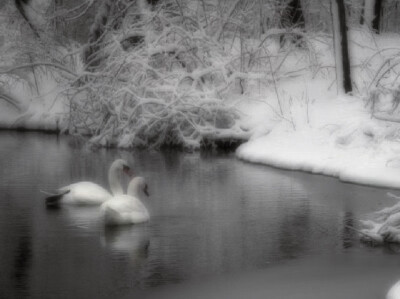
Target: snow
{"x":341,"y":140}
{"x":323,"y":133}
{"x":383,"y":226}
{"x":394,"y":292}
{"x":37,"y":112}
{"x":292,"y":116}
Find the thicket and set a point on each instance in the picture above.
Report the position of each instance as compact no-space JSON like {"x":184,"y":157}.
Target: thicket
{"x":134,"y":74}
{"x":166,"y":75}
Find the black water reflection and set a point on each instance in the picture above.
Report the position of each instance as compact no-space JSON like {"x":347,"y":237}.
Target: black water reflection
{"x":211,"y":215}
{"x":349,"y":234}
{"x":22,"y":262}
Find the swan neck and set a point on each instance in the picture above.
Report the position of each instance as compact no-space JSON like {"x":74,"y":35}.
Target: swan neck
{"x":114,"y":180}
{"x":135,"y":191}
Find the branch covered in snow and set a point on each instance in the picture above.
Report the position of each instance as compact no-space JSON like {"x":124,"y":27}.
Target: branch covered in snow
{"x":173,"y":87}
{"x":35,"y":64}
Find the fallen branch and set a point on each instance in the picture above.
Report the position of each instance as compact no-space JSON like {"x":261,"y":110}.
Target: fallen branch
{"x":386,"y":117}
{"x":12,"y":102}
{"x":30,"y":65}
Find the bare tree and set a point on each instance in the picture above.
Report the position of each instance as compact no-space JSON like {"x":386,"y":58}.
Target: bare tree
{"x":343,"y":73}
{"x":377,"y":18}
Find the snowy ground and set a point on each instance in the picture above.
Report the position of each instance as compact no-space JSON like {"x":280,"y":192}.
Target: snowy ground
{"x":340,"y":139}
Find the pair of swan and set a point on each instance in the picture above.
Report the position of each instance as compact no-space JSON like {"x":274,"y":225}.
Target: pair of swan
{"x":117,"y":208}
{"x":127,"y":209}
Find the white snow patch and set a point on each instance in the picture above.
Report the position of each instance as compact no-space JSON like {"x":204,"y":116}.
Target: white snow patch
{"x":340,"y":139}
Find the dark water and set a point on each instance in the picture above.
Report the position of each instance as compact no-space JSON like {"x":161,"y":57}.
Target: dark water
{"x":218,"y":226}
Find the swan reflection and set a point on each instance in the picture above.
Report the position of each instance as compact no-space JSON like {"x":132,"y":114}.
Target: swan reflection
{"x":131,"y":240}
{"x":82,"y":217}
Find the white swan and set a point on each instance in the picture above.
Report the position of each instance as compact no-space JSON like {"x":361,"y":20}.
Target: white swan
{"x":394,"y":292}
{"x":127,"y":209}
{"x":88,"y":193}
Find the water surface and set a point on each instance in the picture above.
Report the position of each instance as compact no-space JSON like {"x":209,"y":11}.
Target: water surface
{"x":218,"y":224}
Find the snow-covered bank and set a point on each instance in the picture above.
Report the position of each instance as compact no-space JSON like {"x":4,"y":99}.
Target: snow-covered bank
{"x":339,"y":138}
{"x":310,"y":128}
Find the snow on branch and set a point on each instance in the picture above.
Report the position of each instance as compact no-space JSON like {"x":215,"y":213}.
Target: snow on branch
{"x":38,"y":64}
{"x":172,"y":80}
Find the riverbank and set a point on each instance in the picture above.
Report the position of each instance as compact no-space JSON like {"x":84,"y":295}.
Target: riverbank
{"x":340,"y":139}
{"x":297,"y":123}
{"x":310,"y":128}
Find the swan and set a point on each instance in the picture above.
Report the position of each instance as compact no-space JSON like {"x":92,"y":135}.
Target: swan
{"x":127,"y":209}
{"x":394,"y":292}
{"x":88,"y":193}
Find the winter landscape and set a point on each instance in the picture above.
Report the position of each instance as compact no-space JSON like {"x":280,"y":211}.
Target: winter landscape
{"x":199,"y":149}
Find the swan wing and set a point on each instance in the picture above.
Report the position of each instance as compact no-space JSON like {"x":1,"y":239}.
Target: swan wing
{"x":114,"y":210}
{"x":124,"y":209}
{"x":394,"y":292}
{"x":85,"y":193}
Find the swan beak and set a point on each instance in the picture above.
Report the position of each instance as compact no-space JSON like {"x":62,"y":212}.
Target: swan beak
{"x":146,"y":191}
{"x":127,"y":170}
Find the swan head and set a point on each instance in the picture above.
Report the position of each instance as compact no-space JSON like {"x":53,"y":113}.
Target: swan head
{"x":137,"y":186}
{"x":117,"y":168}
{"x":120,"y":165}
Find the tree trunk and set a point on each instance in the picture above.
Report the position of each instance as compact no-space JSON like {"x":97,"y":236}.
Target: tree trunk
{"x":343,"y":75}
{"x":371,"y":14}
{"x":362,"y":13}
{"x":377,"y":18}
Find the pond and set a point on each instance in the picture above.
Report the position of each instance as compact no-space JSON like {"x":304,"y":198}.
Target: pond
{"x":220,"y":228}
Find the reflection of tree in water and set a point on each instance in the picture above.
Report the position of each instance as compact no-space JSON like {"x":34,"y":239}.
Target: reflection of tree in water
{"x":348,"y":234}
{"x":162,"y":274}
{"x":15,"y":253}
{"x":22,"y":262}
{"x":185,"y":166}
{"x":294,"y":229}
{"x":131,"y":240}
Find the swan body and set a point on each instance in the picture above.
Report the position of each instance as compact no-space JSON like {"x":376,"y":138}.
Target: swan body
{"x":84,"y":193}
{"x":394,"y":292}
{"x":127,"y":208}
{"x":88,"y":193}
